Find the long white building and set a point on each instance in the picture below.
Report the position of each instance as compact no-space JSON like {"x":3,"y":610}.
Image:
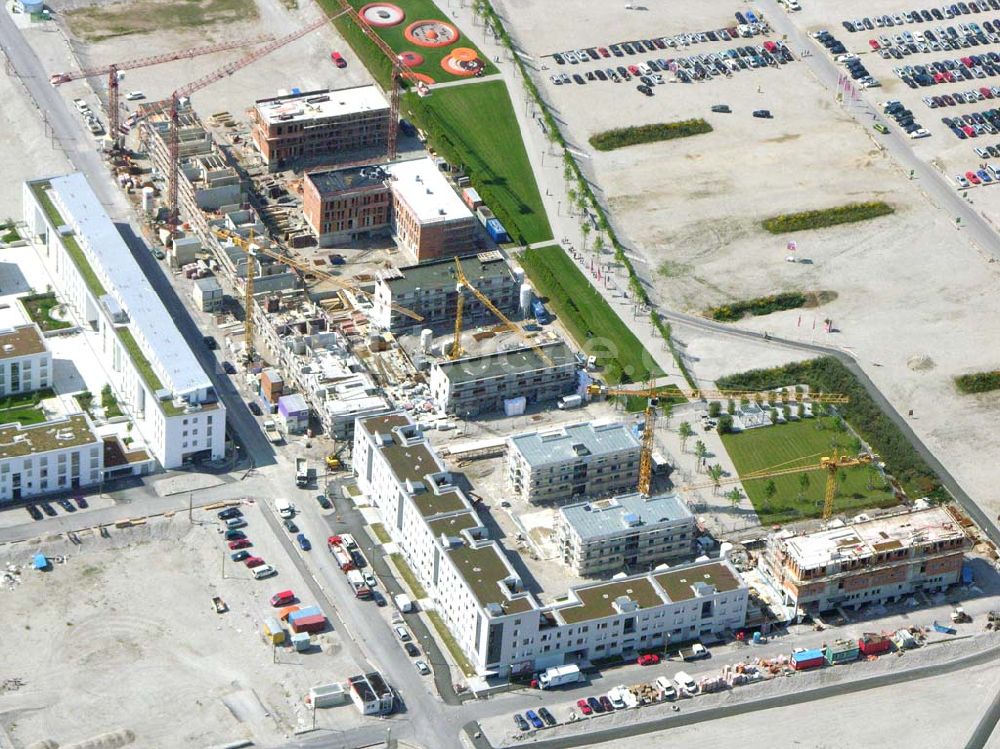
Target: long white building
{"x":152,"y":371}
{"x":501,"y":627}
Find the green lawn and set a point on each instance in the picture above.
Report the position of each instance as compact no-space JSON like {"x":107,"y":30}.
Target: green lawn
{"x":597,"y":328}
{"x":449,"y":640}
{"x":800,"y":443}
{"x":474,"y":127}
{"x":416,"y":10}
{"x":39,"y":308}
{"x":666,"y":394}
{"x":24,"y":408}
{"x":381,"y":533}
{"x":409,"y":576}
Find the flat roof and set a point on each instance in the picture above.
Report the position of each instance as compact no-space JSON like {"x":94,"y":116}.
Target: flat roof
{"x":677,"y":584}
{"x":453,"y":525}
{"x":420,"y":184}
{"x":411,"y":462}
{"x":384,"y":422}
{"x":431,"y":504}
{"x":331,"y":181}
{"x":23,"y":340}
{"x":483,"y":568}
{"x":605,"y":517}
{"x":873,"y":537}
{"x":440,"y":274}
{"x":516,"y":361}
{"x":597,"y":601}
{"x":326,"y":103}
{"x":73,"y":431}
{"x":150,"y":323}
{"x":574,"y":442}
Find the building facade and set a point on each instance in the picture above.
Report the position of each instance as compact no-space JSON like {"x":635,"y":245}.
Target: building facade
{"x":501,"y":627}
{"x":429,"y":220}
{"x":343,"y":205}
{"x":867,"y":562}
{"x":568,"y":462}
{"x":430,"y":289}
{"x":326,"y":126}
{"x":625,"y":533}
{"x":480,"y":384}
{"x":154,"y":375}
{"x":53,"y":456}
{"x":25,"y":360}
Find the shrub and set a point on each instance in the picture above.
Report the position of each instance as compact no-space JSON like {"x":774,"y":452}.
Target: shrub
{"x":631,"y":136}
{"x":764,"y":305}
{"x":978,"y":382}
{"x":844,"y":214}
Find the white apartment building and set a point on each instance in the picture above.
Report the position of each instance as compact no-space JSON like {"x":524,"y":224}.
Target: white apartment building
{"x":25,"y":360}
{"x":572,"y":461}
{"x":152,"y":371}
{"x":502,"y":628}
{"x":53,"y":456}
{"x":626,"y":533}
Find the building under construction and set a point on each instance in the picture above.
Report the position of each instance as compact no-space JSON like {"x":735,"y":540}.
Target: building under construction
{"x":320,"y":127}
{"x":346,"y":204}
{"x":873,"y":561}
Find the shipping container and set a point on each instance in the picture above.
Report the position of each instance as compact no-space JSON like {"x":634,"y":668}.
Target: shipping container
{"x":286,"y":612}
{"x":808,"y":659}
{"x":301,"y":641}
{"x":842,"y":651}
{"x":328,"y":695}
{"x":538,"y":310}
{"x":871,"y":643}
{"x":471,"y":198}
{"x":273,"y":631}
{"x":304,"y":611}
{"x":484,"y":214}
{"x":496,"y":231}
{"x":309,"y":624}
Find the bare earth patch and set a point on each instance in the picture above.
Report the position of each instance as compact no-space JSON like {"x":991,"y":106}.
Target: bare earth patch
{"x":100,"y":22}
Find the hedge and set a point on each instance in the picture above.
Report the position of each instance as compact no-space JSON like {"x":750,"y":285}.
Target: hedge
{"x":764,"y":305}
{"x":828,"y":375}
{"x":631,"y":136}
{"x":845,"y":214}
{"x":978,"y":382}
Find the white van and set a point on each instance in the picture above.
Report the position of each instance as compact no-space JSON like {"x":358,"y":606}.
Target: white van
{"x":685,"y":683}
{"x":285,"y":508}
{"x":265,"y":570}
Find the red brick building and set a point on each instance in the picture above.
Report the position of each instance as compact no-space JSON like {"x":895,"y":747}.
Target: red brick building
{"x":342,"y":205}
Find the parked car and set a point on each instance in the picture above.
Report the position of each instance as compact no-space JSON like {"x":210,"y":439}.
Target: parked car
{"x":282,"y":598}
{"x":584,"y":706}
{"x":234,"y":535}
{"x":520,"y":722}
{"x":721,"y":108}
{"x":424,"y":669}
{"x":228,"y":368}
{"x":229,"y":513}
{"x":66,"y":505}
{"x":242,"y":543}
{"x":264,"y":570}
{"x":35,"y":513}
{"x":764,"y":114}
{"x":338,"y":59}
{"x":606,"y":703}
{"x":378,"y":598}
{"x":304,"y":543}
{"x":135,"y":95}
{"x":533,"y":717}
{"x":370,"y":580}
{"x":239,"y":556}
{"x":81,"y":502}
{"x":254,"y":408}
{"x":323,"y":501}
{"x":411,"y":650}
{"x":547,"y":716}
{"x":648,"y":659}
{"x":290,"y":525}
{"x":595,"y":704}
{"x":210,"y":342}
{"x":252,"y":562}
{"x":48,"y":509}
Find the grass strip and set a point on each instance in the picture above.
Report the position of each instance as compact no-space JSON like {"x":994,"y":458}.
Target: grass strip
{"x":845,"y":214}
{"x":449,"y":641}
{"x":380,"y":533}
{"x":978,"y":382}
{"x":409,"y":576}
{"x":764,"y":305}
{"x":622,"y":137}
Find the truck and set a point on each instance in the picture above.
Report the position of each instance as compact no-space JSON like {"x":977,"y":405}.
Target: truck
{"x":558,"y":676}
{"x":301,"y":473}
{"x":271,"y":431}
{"x":538,"y":310}
{"x":343,"y":558}
{"x":568,"y":402}
{"x":404,"y":603}
{"x":357,"y":581}
{"x":695,"y":652}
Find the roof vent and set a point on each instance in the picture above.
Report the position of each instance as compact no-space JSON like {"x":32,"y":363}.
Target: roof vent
{"x":7,"y":347}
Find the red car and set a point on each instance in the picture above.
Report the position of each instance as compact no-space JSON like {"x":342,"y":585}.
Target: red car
{"x":648,"y":659}
{"x":967,"y":62}
{"x":603,"y":52}
{"x":873,"y":43}
{"x":240,"y":543}
{"x":770,"y":46}
{"x":985,"y":91}
{"x":338,"y":59}
{"x":283,"y":598}
{"x":969,"y":131}
{"x":973,"y":178}
{"x":634,"y":70}
{"x":584,"y":707}
{"x":253,"y":562}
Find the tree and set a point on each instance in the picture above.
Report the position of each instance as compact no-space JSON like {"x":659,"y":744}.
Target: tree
{"x":734,"y":496}
{"x":571,"y":195}
{"x":585,"y":228}
{"x":725,"y":424}
{"x":714,"y":409}
{"x":686,"y":432}
{"x":700,"y":451}
{"x":731,"y":408}
{"x":803,"y":484}
{"x":770,"y":489}
{"x":715,"y":473}
{"x":599,"y":243}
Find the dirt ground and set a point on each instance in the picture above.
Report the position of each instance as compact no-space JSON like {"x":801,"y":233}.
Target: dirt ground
{"x":121,"y":635}
{"x":916,"y":302}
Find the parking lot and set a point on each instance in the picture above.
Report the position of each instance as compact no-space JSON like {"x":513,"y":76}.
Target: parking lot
{"x":126,"y":618}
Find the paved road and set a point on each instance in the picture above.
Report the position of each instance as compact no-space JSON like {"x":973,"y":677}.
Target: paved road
{"x":986,"y":727}
{"x":935,"y":185}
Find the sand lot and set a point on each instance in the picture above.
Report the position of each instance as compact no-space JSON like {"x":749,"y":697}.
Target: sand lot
{"x":123,"y":635}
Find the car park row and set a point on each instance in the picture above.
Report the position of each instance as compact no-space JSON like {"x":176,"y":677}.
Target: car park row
{"x":904,"y":118}
{"x":48,"y":509}
{"x":938,"y":40}
{"x":962,"y":97}
{"x":986,"y":174}
{"x":951,"y":70}
{"x":748,"y":25}
{"x":974,"y":124}
{"x":920,"y":16}
{"x":855,"y":67}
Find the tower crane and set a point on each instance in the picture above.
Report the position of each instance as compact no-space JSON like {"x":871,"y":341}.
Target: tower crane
{"x":112,"y":70}
{"x":653,"y":394}
{"x":253,"y":249}
{"x":462,"y":282}
{"x":828,"y":464}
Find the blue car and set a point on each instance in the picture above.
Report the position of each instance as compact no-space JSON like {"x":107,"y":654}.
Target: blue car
{"x":533,"y":717}
{"x":984,"y":176}
{"x":304,"y":543}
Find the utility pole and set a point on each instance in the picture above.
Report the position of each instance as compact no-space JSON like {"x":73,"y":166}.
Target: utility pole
{"x":191,"y":507}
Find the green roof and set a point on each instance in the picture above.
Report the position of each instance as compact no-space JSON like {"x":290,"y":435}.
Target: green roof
{"x":505,"y":363}
{"x":596,"y":601}
{"x":73,"y":248}
{"x":483,"y":568}
{"x":440,"y":274}
{"x":677,"y":584}
{"x":73,"y":431}
{"x":454,"y":524}
{"x":145,"y":370}
{"x":431,"y":504}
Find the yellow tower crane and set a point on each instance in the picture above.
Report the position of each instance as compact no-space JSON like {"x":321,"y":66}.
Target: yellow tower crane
{"x":830,"y":465}
{"x":463,"y":283}
{"x":253,"y":249}
{"x":654,"y":393}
